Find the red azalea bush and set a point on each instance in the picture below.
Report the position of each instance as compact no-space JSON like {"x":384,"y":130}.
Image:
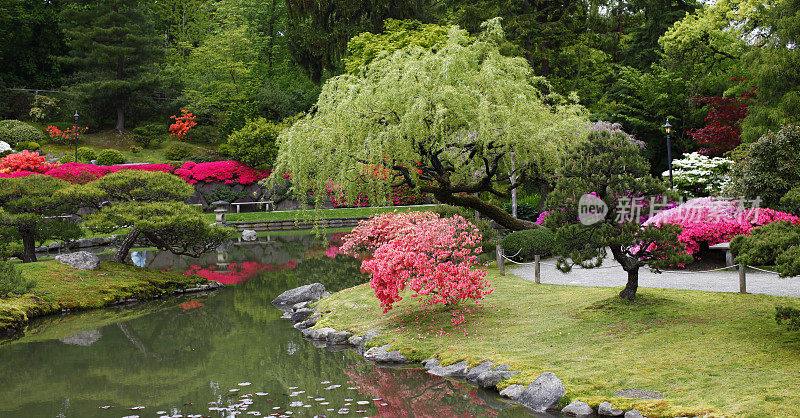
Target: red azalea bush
{"x":22,"y":161}
{"x":713,"y":221}
{"x":68,"y":134}
{"x":182,"y":124}
{"x":230,"y":172}
{"x":434,"y":257}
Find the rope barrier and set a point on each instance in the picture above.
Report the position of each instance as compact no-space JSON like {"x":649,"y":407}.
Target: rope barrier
{"x":765,"y":271}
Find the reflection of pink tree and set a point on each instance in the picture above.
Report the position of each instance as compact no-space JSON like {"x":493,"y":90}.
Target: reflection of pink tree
{"x":409,"y":393}
{"x":237,"y":272}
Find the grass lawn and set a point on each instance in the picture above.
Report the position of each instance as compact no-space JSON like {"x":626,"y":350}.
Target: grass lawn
{"x":716,"y":353}
{"x":59,"y":286}
{"x":290,"y":215}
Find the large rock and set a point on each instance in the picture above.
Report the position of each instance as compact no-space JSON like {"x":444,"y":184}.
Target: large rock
{"x":454,"y":371}
{"x":472,"y":375}
{"x":544,"y":393}
{"x":512,"y":392}
{"x":289,"y":298}
{"x":491,"y":378}
{"x":337,"y":338}
{"x":301,"y":315}
{"x":605,"y":409}
{"x":81,"y":260}
{"x":578,"y":408}
{"x":309,"y":322}
{"x":634,"y":414}
{"x":382,"y":355}
{"x":318,"y":334}
{"x":249,"y":235}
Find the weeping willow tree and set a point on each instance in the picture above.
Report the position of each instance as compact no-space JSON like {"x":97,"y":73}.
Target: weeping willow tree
{"x":455,"y":121}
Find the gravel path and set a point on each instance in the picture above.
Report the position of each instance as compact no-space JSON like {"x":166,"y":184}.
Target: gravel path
{"x":610,"y":274}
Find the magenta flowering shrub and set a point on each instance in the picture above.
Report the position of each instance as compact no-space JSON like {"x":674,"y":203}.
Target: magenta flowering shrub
{"x":713,"y":221}
{"x":434,"y":257}
{"x":230,"y":172}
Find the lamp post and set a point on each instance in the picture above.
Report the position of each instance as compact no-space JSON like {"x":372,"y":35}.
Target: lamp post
{"x":75,"y":132}
{"x":667,"y":129}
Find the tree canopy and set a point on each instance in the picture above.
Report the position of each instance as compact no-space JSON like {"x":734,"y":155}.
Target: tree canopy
{"x":444,"y":121}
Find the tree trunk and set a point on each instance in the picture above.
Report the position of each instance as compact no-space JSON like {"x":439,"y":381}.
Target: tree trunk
{"x":629,"y":292}
{"x":28,"y":246}
{"x":120,"y":118}
{"x":125,"y":246}
{"x":487,"y":209}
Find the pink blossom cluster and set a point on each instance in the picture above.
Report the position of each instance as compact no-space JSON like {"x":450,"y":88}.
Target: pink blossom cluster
{"x":401,"y":195}
{"x":230,"y":172}
{"x":434,"y":257}
{"x":713,"y":221}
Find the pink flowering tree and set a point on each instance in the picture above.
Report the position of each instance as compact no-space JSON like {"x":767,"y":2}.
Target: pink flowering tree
{"x":710,"y":221}
{"x":433,"y":257}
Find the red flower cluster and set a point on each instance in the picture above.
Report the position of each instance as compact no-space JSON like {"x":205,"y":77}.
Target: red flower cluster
{"x":230,"y":172}
{"x":182,"y":124}
{"x":434,"y":257}
{"x":22,"y":161}
{"x":54,"y":132}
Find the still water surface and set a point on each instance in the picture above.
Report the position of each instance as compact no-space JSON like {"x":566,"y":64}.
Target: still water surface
{"x":220,"y":354}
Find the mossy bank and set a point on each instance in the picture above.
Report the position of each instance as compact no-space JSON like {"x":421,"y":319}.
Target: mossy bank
{"x":62,"y":288}
{"x":714,"y":354}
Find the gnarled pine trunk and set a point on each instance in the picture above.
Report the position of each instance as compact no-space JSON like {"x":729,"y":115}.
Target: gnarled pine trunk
{"x":126,"y":245}
{"x":28,"y":246}
{"x":629,"y":292}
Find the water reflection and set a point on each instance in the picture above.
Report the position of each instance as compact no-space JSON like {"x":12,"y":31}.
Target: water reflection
{"x":217,"y":353}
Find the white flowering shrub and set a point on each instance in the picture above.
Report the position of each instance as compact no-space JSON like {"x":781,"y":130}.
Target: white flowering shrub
{"x":4,"y":147}
{"x":698,"y":175}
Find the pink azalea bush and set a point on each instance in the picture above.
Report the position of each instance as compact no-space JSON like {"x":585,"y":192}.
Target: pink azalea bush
{"x":432,"y":256}
{"x":230,"y":172}
{"x":713,"y":221}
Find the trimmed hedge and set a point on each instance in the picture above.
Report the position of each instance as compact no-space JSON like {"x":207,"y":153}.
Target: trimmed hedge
{"x":109,"y":157}
{"x":529,"y":242}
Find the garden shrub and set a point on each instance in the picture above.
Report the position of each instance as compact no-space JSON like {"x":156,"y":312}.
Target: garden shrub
{"x":86,"y":154}
{"x":789,"y":316}
{"x":768,"y":167}
{"x":202,"y":133}
{"x":67,"y":158}
{"x":30,"y":146}
{"x":777,"y":244}
{"x":230,"y":172}
{"x":146,"y":133}
{"x":434,"y":257}
{"x":11,"y":280}
{"x":135,"y":149}
{"x":529,"y":242}
{"x":254,"y":144}
{"x":790,"y":202}
{"x":110,"y":157}
{"x":178,"y":151}
{"x":15,"y":132}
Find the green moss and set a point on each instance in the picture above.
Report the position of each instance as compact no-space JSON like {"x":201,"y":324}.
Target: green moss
{"x":60,"y":287}
{"x":716,"y":353}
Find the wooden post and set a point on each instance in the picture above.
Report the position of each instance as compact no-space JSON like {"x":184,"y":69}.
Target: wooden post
{"x":536,"y":270}
{"x":742,"y":279}
{"x":501,"y":263}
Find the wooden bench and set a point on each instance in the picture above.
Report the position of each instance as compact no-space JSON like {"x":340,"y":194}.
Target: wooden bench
{"x":267,"y":205}
{"x":724,"y":246}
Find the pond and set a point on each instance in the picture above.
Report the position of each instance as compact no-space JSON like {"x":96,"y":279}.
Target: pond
{"x":219,"y":354}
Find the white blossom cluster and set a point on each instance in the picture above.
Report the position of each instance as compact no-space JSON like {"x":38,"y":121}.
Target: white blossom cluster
{"x":700,"y":175}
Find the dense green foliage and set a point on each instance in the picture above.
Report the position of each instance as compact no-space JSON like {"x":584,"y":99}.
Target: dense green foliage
{"x":30,"y":208}
{"x":443,"y":121}
{"x":610,"y":167}
{"x":108,"y":157}
{"x":15,"y":132}
{"x":254,"y":144}
{"x":86,"y":154}
{"x":775,"y":244}
{"x":151,"y":204}
{"x":177,"y":151}
{"x":523,"y":245}
{"x":11,"y":280}
{"x":769,"y":167}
